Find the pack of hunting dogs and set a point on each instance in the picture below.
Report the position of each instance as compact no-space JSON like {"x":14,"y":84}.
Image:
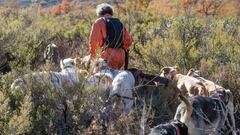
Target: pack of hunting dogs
{"x":206,"y":108}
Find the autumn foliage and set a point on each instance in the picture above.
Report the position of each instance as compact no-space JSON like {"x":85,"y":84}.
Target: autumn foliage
{"x":60,"y":9}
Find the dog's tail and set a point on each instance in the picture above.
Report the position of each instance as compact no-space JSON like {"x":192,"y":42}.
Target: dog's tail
{"x":18,"y":85}
{"x":189,"y":109}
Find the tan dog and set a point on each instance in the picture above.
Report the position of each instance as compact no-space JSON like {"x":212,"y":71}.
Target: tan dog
{"x":210,"y":85}
{"x":190,"y":85}
{"x":169,"y":72}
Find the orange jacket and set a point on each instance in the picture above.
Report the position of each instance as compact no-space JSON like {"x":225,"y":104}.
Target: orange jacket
{"x":114,"y":56}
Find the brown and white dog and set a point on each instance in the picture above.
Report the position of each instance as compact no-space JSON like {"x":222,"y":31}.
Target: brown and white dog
{"x":209,"y":114}
{"x":169,"y":72}
{"x":209,"y":85}
{"x":176,"y":127}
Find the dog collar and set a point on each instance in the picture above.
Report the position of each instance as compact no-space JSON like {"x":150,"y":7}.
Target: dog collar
{"x":176,"y":127}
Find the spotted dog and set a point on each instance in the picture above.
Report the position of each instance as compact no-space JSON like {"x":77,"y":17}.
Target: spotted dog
{"x":175,"y":127}
{"x":211,"y":88}
{"x":208,"y":115}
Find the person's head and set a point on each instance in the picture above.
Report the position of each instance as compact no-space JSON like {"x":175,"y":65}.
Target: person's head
{"x":103,"y":9}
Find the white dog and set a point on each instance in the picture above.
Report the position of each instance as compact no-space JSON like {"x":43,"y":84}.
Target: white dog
{"x":120,"y":82}
{"x":68,"y":77}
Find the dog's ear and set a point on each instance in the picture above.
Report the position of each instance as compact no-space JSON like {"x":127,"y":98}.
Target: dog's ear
{"x":177,"y":68}
{"x":190,"y":72}
{"x":165,"y":70}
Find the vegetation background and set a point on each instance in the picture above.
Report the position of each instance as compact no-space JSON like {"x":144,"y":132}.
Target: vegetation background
{"x":201,"y":34}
